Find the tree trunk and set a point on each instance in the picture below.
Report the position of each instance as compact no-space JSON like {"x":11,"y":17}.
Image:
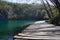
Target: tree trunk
{"x":49,"y":15}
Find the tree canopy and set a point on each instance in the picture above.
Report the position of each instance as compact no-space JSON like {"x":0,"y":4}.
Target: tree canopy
{"x":27,"y":11}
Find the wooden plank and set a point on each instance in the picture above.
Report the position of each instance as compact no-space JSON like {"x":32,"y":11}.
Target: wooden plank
{"x":34,"y":26}
{"x":37,"y":37}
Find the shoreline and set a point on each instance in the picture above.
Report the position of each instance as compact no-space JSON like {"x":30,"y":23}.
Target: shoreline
{"x":19,"y":29}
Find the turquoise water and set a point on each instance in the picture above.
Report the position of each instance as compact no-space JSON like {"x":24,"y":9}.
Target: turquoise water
{"x":7,"y":27}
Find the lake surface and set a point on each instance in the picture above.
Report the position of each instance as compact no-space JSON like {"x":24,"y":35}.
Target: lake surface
{"x":7,"y":27}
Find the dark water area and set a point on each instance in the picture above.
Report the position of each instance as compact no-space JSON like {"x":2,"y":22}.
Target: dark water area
{"x":8,"y":28}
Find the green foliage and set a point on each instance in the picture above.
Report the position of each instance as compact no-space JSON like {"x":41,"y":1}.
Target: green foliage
{"x":24,"y":11}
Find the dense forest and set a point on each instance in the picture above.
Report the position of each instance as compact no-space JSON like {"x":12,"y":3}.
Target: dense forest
{"x":15,"y":11}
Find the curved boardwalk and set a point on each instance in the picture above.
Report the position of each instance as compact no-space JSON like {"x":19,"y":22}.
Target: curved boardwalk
{"x":40,"y":30}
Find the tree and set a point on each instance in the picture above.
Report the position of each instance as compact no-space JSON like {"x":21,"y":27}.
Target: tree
{"x":56,"y":3}
{"x":50,"y":10}
{"x":49,"y":15}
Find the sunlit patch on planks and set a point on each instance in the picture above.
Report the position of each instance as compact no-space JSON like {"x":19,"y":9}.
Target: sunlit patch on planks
{"x":38,"y":31}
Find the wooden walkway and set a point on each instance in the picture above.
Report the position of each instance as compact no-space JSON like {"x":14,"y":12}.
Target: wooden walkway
{"x":38,"y":31}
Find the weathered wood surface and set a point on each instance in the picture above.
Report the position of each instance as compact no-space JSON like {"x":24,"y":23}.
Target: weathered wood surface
{"x":40,"y":30}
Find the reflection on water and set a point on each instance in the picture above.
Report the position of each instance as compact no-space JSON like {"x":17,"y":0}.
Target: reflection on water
{"x":7,"y":27}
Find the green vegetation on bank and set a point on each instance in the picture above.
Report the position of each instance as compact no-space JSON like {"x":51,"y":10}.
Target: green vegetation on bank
{"x":15,"y":11}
